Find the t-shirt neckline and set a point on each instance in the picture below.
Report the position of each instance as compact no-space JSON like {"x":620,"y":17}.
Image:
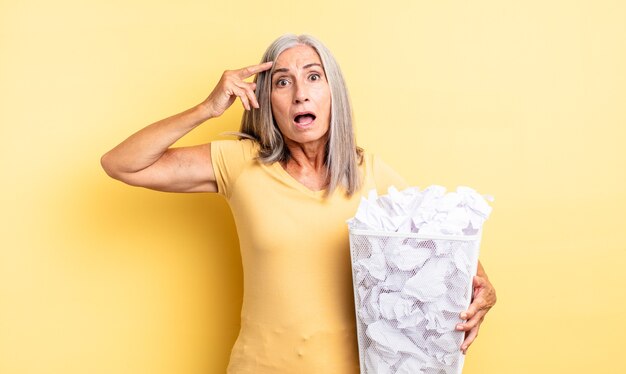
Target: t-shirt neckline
{"x":296,"y":183}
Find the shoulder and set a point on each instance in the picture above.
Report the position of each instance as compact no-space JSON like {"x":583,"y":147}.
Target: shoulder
{"x":230,"y":158}
{"x":243,"y":149}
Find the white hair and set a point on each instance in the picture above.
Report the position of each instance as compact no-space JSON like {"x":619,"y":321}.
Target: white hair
{"x":342,"y":156}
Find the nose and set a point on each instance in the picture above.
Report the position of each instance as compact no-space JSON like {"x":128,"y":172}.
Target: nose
{"x":301,"y":93}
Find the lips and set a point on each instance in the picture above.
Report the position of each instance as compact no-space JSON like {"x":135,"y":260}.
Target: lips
{"x":304,"y":118}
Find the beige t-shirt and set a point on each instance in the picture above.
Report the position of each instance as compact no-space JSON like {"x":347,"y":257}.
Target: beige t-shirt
{"x":298,"y":306}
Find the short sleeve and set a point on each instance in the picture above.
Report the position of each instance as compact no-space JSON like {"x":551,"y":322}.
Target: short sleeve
{"x":385,"y":176}
{"x":229,"y":158}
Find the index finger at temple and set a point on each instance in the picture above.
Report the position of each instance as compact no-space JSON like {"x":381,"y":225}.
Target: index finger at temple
{"x":254,"y":69}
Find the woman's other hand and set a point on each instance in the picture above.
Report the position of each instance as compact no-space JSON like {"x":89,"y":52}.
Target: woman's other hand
{"x":233,"y":85}
{"x":483,"y":298}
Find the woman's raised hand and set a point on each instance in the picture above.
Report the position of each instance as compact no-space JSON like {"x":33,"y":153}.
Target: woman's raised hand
{"x":146,"y":159}
{"x":233,"y":85}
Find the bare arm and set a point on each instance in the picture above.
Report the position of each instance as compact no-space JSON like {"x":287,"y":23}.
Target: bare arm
{"x":145,"y":159}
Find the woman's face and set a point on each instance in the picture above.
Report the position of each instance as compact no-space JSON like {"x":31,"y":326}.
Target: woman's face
{"x":300,"y":95}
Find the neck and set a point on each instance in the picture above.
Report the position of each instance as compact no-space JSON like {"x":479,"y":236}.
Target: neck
{"x":307,"y":156}
{"x":306,"y":164}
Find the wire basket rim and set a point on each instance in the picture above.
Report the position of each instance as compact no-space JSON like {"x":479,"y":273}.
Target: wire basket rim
{"x":465,"y":238}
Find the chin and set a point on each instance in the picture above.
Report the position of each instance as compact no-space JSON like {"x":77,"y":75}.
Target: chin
{"x":309,"y":137}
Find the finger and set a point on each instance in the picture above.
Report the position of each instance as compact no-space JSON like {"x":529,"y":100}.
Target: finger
{"x":478,"y":302}
{"x":485,"y":289}
{"x":252,"y":98}
{"x":469,"y":339}
{"x":253,"y":69}
{"x":478,"y":283}
{"x":241,"y":94}
{"x":474,"y":307}
{"x":248,"y":88}
{"x":473,"y":322}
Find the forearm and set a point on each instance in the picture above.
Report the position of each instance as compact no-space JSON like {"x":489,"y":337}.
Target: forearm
{"x":145,"y":159}
{"x":146,"y":146}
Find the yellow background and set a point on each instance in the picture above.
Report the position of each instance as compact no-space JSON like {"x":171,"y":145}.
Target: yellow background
{"x":524,"y":100}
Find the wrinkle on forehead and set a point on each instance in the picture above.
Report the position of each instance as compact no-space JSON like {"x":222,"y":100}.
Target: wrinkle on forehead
{"x":298,"y":57}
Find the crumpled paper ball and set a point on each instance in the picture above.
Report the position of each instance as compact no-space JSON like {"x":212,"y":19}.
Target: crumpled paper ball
{"x":431,"y":211}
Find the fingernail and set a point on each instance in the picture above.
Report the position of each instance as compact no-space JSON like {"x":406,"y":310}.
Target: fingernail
{"x":459,"y":327}
{"x":463,"y":315}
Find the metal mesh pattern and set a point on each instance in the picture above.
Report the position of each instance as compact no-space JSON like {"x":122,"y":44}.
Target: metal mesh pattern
{"x":409,"y":292}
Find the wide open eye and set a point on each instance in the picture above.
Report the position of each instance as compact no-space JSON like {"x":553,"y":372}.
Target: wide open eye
{"x":315,"y":77}
{"x":282,"y":82}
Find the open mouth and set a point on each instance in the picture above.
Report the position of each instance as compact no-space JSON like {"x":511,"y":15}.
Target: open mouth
{"x":304,"y":119}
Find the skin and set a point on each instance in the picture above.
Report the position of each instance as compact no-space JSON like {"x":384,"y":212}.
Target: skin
{"x":483,"y":299}
{"x":299,"y":85}
{"x":147,"y":159}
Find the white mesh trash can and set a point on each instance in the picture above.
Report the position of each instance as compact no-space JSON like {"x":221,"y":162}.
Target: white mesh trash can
{"x":409,"y":290}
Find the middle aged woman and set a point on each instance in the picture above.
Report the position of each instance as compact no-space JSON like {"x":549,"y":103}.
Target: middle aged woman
{"x":291,"y":180}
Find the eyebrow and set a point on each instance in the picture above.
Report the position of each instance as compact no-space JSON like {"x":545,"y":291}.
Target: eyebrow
{"x":285,"y":70}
